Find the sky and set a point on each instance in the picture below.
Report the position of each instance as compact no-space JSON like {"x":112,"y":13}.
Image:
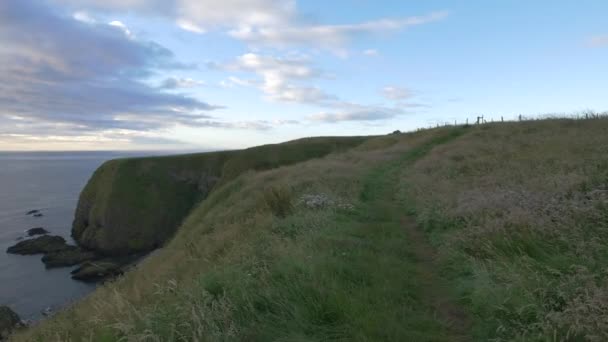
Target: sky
{"x":206,"y":75}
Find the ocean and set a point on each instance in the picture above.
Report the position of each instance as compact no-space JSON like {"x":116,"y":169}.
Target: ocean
{"x":50,"y":182}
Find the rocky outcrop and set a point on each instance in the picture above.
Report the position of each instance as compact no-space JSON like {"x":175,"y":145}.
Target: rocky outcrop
{"x":57,"y":253}
{"x":37,"y":231}
{"x":97,"y":270}
{"x":68,"y":256}
{"x":9,"y":321}
{"x":39,"y":245}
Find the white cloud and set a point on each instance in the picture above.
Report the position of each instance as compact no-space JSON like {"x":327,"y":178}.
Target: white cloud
{"x":396,"y":93}
{"x":279,"y":77}
{"x":260,"y":22}
{"x":83,"y":17}
{"x":371,"y":52}
{"x":202,"y":15}
{"x":122,"y":27}
{"x":187,"y":25}
{"x":327,"y":36}
{"x":355,"y":112}
{"x":598,"y":41}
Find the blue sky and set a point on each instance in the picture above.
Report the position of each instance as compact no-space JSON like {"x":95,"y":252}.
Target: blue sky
{"x":202,"y":74}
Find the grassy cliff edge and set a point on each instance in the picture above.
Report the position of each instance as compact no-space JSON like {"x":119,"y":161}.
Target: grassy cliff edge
{"x":134,"y":205}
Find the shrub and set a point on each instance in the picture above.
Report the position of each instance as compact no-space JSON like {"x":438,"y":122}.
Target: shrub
{"x":279,"y":199}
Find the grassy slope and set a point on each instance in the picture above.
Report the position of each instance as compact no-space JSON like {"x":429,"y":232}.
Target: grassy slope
{"x":520,"y":213}
{"x":118,"y":211}
{"x":236,"y":271}
{"x":516,"y":212}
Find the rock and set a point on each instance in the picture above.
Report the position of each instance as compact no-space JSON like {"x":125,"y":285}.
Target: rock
{"x":38,"y":215}
{"x":42,"y":244}
{"x":9,"y":320}
{"x":91,"y":271}
{"x":47,"y":312}
{"x":69,"y":256}
{"x":37,"y":231}
{"x":316,"y":201}
{"x":31,"y":212}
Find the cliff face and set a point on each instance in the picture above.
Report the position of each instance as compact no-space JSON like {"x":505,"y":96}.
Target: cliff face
{"x":135,"y":205}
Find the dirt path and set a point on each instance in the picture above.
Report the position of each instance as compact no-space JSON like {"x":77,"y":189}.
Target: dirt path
{"x":435,"y":289}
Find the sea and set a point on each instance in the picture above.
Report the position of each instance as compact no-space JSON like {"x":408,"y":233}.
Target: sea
{"x":50,"y":182}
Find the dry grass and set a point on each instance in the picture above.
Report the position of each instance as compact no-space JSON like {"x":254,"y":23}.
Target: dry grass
{"x":520,"y":213}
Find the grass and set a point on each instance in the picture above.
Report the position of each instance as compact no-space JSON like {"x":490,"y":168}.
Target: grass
{"x":242,"y":270}
{"x":495,"y":232}
{"x":118,"y":209}
{"x":520,"y":212}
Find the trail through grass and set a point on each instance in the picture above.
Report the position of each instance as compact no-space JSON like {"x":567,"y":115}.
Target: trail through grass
{"x":429,"y":293}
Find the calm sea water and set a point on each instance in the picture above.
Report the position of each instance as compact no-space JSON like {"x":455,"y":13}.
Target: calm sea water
{"x":50,"y":182}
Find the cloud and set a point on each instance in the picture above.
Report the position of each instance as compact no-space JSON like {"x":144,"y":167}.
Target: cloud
{"x":280,"y":78}
{"x":260,"y":22}
{"x":121,"y":26}
{"x":598,"y":41}
{"x":396,"y":93}
{"x":178,"y":83}
{"x":327,"y":36}
{"x":371,"y":52}
{"x":78,"y":74}
{"x":200,"y":16}
{"x":354,"y":112}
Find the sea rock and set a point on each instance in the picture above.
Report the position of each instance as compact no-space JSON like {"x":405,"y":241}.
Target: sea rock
{"x":42,"y":244}
{"x":92,"y":271}
{"x":68,"y":256}
{"x":9,"y":320}
{"x":31,"y":212}
{"x":38,"y":215}
{"x":37,"y":231}
{"x":48,"y":311}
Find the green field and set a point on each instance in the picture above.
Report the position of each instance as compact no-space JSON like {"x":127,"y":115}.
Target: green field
{"x":496,"y":232}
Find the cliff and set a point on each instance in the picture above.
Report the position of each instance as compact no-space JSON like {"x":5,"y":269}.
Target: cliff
{"x":135,"y":205}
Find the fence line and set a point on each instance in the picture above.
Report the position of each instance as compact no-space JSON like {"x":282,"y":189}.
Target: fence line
{"x":481,"y":119}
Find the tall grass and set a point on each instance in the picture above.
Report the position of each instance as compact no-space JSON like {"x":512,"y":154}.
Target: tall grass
{"x":520,"y":215}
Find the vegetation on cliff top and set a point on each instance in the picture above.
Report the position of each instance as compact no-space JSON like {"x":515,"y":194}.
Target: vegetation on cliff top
{"x":492,"y":232}
{"x":135,"y":205}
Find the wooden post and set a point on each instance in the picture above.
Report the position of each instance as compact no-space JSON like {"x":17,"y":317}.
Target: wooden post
{"x":502,"y":119}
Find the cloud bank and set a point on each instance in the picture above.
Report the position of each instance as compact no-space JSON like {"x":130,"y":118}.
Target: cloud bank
{"x":75,"y":75}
